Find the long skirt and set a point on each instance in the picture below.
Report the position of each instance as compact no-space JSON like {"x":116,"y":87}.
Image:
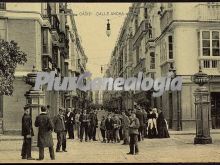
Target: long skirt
{"x":163,"y":132}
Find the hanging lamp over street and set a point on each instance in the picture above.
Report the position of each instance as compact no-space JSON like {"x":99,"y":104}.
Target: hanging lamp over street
{"x":108,"y":30}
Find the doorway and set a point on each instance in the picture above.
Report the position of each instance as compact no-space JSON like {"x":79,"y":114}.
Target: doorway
{"x":215,"y":109}
{"x":170,"y":110}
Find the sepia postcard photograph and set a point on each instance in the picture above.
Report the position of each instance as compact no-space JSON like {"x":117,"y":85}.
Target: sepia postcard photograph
{"x":109,"y":82}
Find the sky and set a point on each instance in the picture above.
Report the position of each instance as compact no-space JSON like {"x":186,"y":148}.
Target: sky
{"x":91,"y":22}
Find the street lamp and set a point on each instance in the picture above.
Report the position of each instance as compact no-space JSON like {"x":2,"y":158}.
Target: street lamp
{"x":108,"y":30}
{"x":178,"y":94}
{"x":34,"y":99}
{"x":202,"y":107}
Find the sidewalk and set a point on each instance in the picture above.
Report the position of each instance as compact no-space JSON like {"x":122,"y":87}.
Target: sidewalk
{"x":171,"y":132}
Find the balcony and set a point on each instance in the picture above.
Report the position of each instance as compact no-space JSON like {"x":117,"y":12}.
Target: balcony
{"x":55,"y":27}
{"x":208,"y":12}
{"x":210,"y":64}
{"x":166,"y":19}
{"x":139,"y":67}
{"x":141,"y":30}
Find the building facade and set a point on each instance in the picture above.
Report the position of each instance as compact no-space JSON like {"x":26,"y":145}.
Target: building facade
{"x":45,"y":32}
{"x":177,"y":37}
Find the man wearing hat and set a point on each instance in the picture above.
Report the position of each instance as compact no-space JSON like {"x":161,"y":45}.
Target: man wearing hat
{"x":133,"y":132}
{"x":45,"y":128}
{"x":27,"y":132}
{"x":60,"y":129}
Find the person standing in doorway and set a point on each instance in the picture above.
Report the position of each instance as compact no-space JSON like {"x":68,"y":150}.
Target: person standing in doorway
{"x":27,"y":132}
{"x":45,"y":128}
{"x":59,"y":128}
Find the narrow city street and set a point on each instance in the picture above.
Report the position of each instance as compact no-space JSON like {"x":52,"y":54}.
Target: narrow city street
{"x":178,"y":148}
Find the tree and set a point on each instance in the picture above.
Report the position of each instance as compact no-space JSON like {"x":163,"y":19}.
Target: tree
{"x":10,"y":57}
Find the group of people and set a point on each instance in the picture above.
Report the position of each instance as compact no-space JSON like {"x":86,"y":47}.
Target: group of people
{"x":130,"y":126}
{"x":62,"y":124}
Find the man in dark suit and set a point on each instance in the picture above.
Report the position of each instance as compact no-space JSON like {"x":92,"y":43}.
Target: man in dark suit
{"x":140,"y":116}
{"x":45,"y":128}
{"x":70,"y":121}
{"x":84,"y":120}
{"x":93,"y":125}
{"x":60,"y":129}
{"x":109,"y":125}
{"x":27,"y":132}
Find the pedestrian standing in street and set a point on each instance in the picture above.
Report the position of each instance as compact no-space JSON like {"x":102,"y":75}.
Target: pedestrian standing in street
{"x":133,"y":132}
{"x":92,"y":125}
{"x":140,"y":116}
{"x":162,"y":126}
{"x":45,"y":128}
{"x":103,"y":129}
{"x":145,"y":122}
{"x":84,"y":120}
{"x":152,"y":123}
{"x":125,"y":128}
{"x":77,"y":123}
{"x":60,"y":129}
{"x":120,"y":129}
{"x":96,"y":125}
{"x":27,"y":132}
{"x":69,"y":118}
{"x":109,"y":128}
{"x":117,"y":125}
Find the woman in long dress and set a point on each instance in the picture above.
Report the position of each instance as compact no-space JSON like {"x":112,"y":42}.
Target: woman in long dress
{"x":162,"y":126}
{"x":152,"y":124}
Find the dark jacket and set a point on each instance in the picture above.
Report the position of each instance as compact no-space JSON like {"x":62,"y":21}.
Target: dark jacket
{"x":117,"y":123}
{"x":134,"y":125}
{"x":109,"y":124}
{"x":45,"y":125}
{"x":27,"y":128}
{"x":59,"y":125}
{"x":84,"y":119}
{"x":69,"y":120}
{"x":93,"y":119}
{"x":102,"y":124}
{"x":140,"y":116}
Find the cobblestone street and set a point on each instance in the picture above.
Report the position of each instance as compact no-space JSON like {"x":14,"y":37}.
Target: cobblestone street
{"x":178,"y":148}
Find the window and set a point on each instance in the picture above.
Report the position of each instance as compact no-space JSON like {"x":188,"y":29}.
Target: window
{"x":170,"y":46}
{"x":210,"y":43}
{"x":152,"y":60}
{"x":45,"y":41}
{"x":2,"y":6}
{"x":145,"y":13}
